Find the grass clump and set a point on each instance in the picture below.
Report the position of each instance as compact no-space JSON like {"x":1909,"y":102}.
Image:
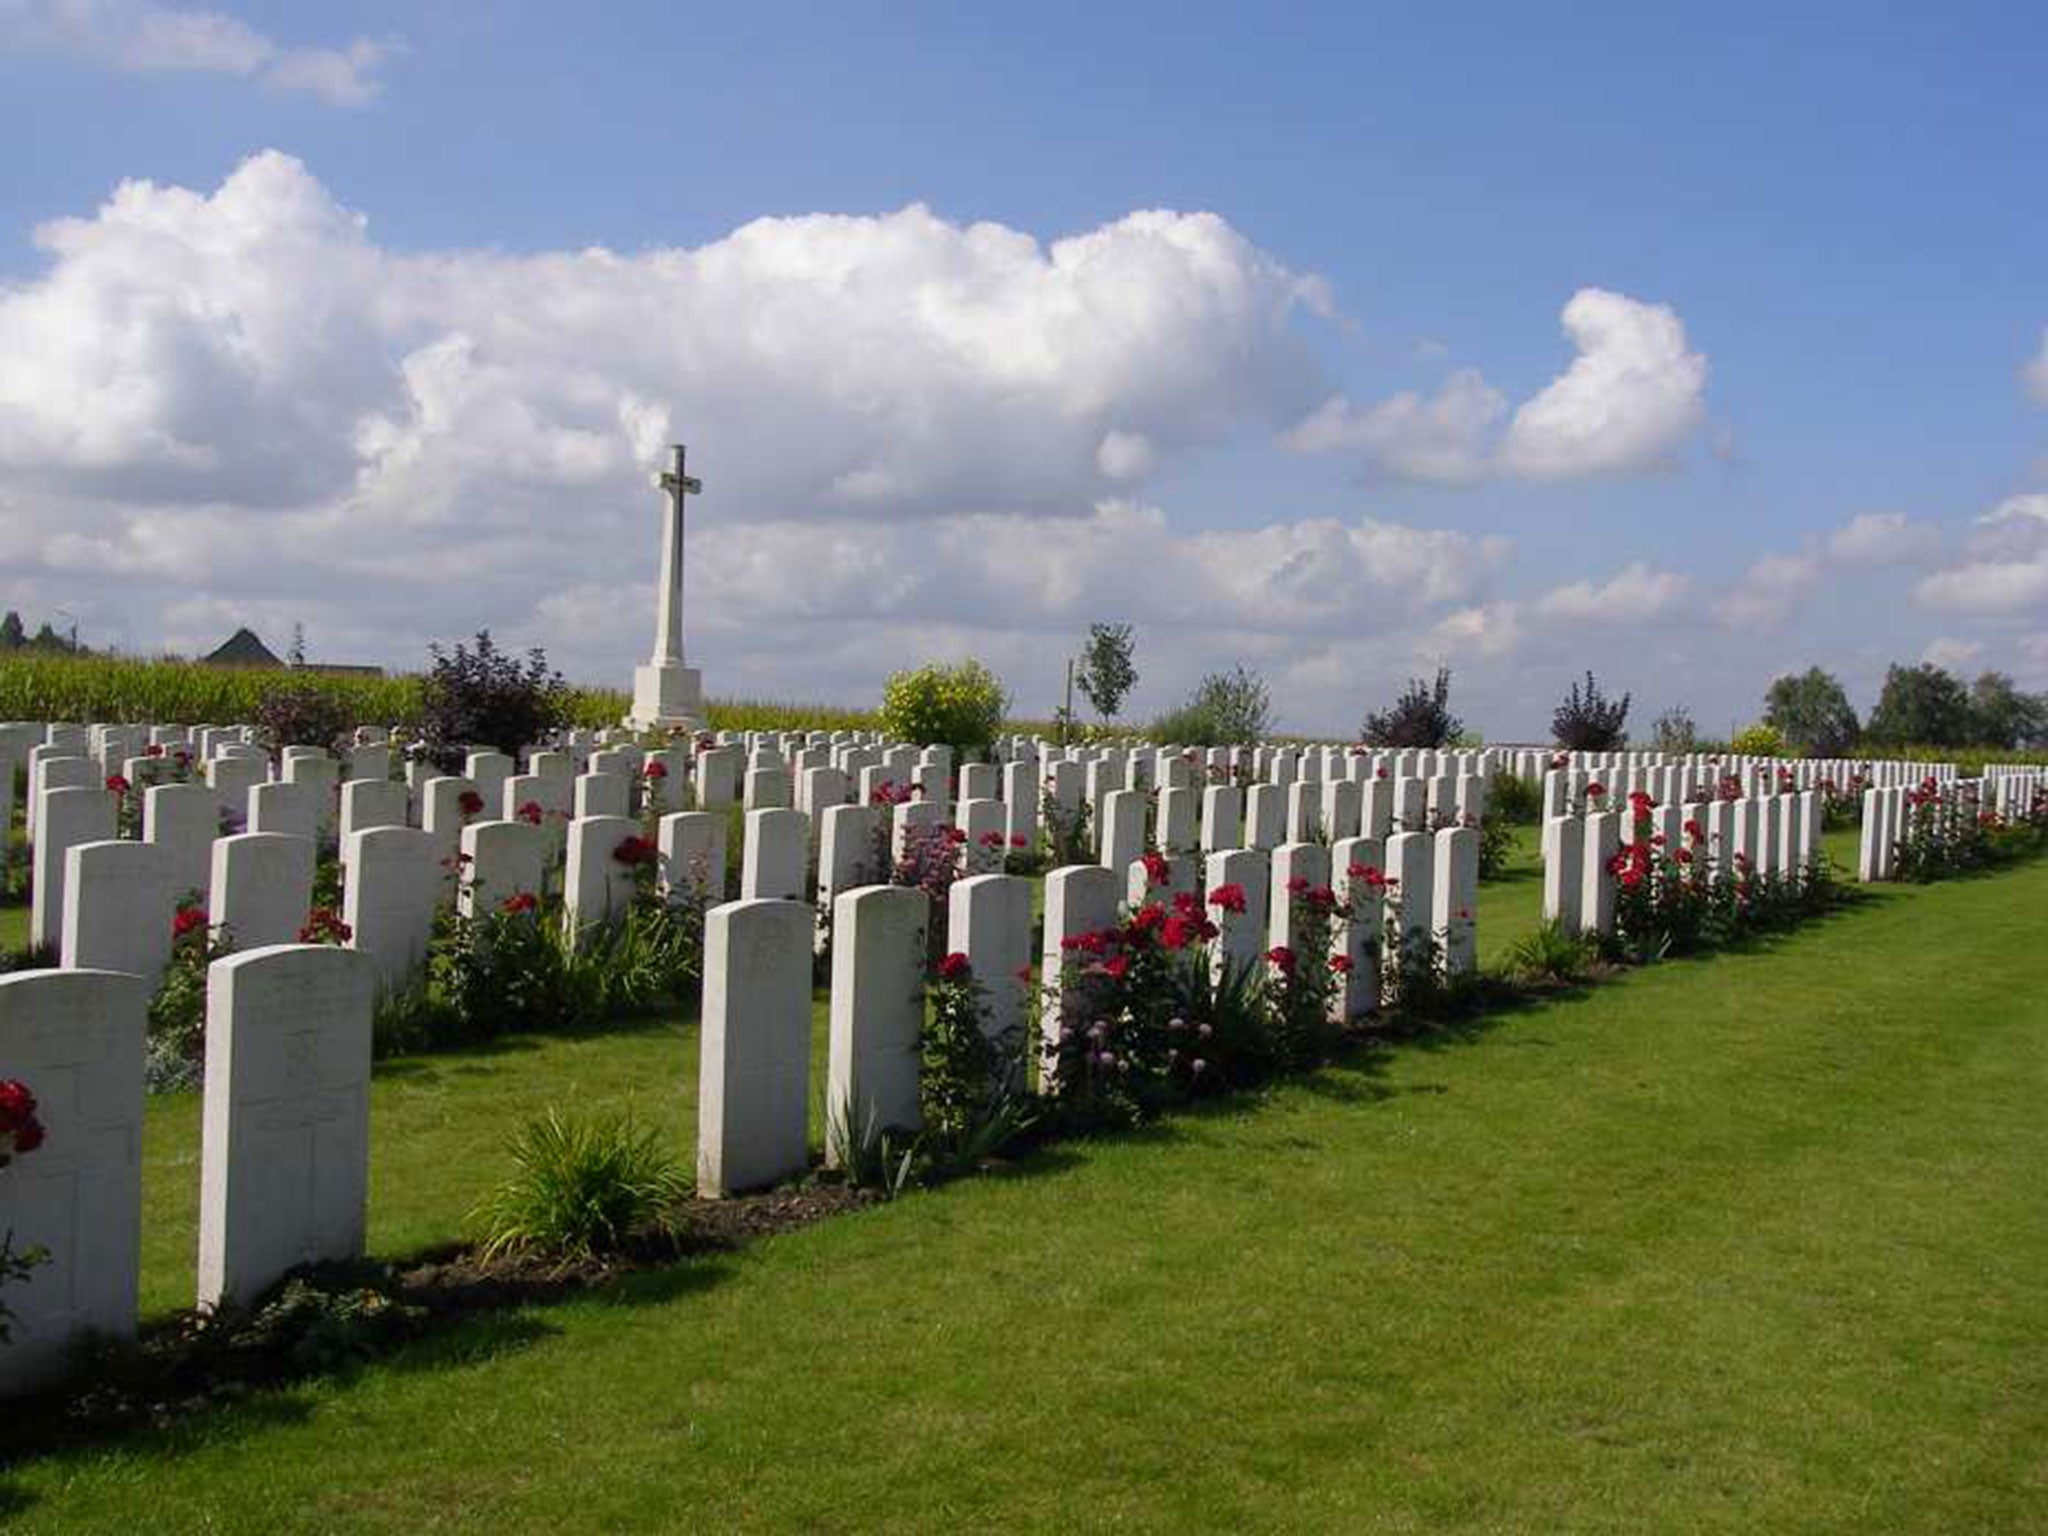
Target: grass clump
{"x":581,"y":1189}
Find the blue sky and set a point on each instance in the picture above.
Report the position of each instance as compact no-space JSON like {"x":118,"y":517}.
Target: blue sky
{"x":1839,"y":212}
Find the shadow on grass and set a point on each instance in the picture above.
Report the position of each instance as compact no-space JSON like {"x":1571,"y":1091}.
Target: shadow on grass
{"x":188,"y":1382}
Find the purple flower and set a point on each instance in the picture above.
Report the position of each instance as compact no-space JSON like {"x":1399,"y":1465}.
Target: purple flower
{"x":1199,"y":1066}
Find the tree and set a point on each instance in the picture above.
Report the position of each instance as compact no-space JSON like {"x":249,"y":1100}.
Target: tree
{"x":2003,"y":716}
{"x":1922,"y":706}
{"x":1674,"y":731}
{"x":1232,"y":708}
{"x":296,"y":656}
{"x":1590,"y":721}
{"x":1107,"y":675}
{"x":1812,"y":713}
{"x":1421,"y":717}
{"x":486,"y":698}
{"x":47,"y":639}
{"x":12,"y":635}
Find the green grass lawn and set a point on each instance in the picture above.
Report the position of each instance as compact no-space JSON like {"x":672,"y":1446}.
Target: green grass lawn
{"x":1746,"y":1244}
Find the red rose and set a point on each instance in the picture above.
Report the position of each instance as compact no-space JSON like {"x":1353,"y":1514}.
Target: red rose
{"x":117,"y":784}
{"x":635,"y":851}
{"x":522,"y":901}
{"x":1230,"y":898}
{"x":656,"y":769}
{"x":153,"y":750}
{"x":1019,"y":840}
{"x":469,"y":802}
{"x":531,"y":812}
{"x":187,"y":920}
{"x":1341,"y":964}
{"x":1177,"y":932}
{"x":990,"y":839}
{"x":1297,"y":886}
{"x":1115,"y":967}
{"x":28,"y":1135}
{"x":17,"y":1104}
{"x":1281,"y":958}
{"x":955,"y":967}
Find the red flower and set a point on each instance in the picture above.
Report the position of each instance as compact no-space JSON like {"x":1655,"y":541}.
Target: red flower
{"x":188,"y":920}
{"x":955,"y":836}
{"x":1281,"y":958}
{"x":1177,"y":932}
{"x":1298,"y":885}
{"x":1148,"y":917}
{"x":1684,"y":855}
{"x":518,"y":902}
{"x":1632,"y":878}
{"x":1695,"y":832}
{"x":655,"y":769}
{"x":17,"y":1104}
{"x":1157,"y":870}
{"x":1115,"y":967}
{"x":469,"y":802}
{"x":990,"y":839}
{"x":1321,"y":896}
{"x":635,"y":850}
{"x":531,"y":812}
{"x":1595,"y":790}
{"x":28,"y":1135}
{"x":1341,"y":964}
{"x":1019,"y":840}
{"x":1230,"y":898}
{"x":154,"y":749}
{"x":117,"y":784}
{"x":955,"y":967}
{"x":324,"y":926}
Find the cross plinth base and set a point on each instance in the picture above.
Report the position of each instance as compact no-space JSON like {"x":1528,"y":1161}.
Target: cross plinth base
{"x":667,"y":695}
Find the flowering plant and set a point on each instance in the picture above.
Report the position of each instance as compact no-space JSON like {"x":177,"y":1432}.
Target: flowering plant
{"x":323,"y":925}
{"x":177,"y":1011}
{"x":20,"y":1134}
{"x":963,"y":1068}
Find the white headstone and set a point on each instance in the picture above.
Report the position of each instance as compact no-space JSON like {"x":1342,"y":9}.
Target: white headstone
{"x":75,"y":1039}
{"x":261,"y":889}
{"x":877,"y":1013}
{"x":753,"y":1096}
{"x":774,"y":856}
{"x":285,"y":1137}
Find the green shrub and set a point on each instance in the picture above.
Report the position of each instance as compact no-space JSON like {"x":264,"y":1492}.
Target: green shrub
{"x":581,"y":1189}
{"x":1549,"y":954}
{"x":1760,"y":740}
{"x":1515,"y":800}
{"x":1226,"y":709}
{"x":959,"y":706}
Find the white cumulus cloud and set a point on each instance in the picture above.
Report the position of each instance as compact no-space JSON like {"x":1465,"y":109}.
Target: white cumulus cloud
{"x":1634,"y":395}
{"x":143,"y":38}
{"x":2006,"y":566}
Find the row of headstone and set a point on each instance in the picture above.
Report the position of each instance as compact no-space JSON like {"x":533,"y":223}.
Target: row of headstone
{"x":1775,"y":835}
{"x":755,"y":1090}
{"x":284,"y":1160}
